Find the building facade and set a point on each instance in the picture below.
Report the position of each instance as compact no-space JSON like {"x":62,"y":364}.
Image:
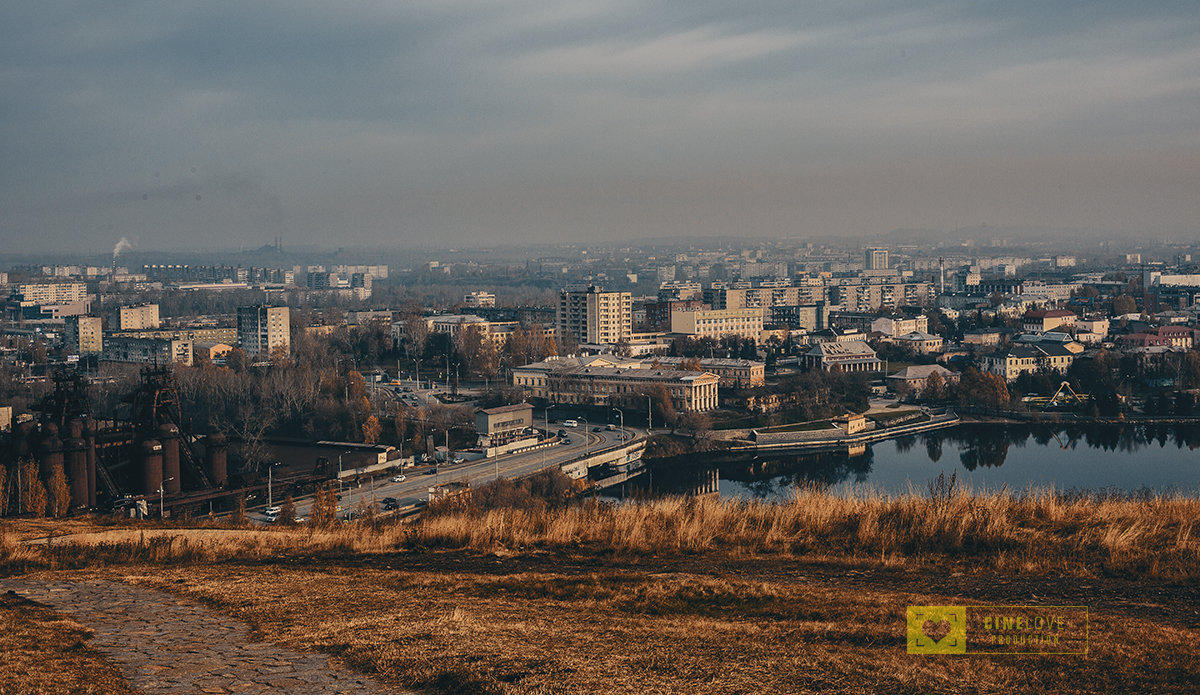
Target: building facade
{"x":140,"y":317}
{"x":716,"y":323}
{"x":599,"y":381}
{"x":263,"y":330}
{"x":147,"y":351}
{"x":591,"y":315}
{"x":848,"y":356}
{"x":875,"y":258}
{"x":733,"y":373}
{"x":85,"y":334}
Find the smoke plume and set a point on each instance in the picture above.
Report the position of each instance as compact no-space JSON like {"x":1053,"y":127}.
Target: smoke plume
{"x":122,"y":245}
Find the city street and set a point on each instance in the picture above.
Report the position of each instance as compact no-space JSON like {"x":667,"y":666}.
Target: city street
{"x":418,"y":480}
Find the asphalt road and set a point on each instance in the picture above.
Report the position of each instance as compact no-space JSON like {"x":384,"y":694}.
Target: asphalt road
{"x":418,"y":480}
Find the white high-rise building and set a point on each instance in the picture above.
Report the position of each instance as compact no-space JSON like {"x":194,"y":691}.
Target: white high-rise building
{"x":264,"y":329}
{"x":875,"y":258}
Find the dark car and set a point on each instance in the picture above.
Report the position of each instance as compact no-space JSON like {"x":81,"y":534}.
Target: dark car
{"x":389,"y":503}
{"x":597,"y":429}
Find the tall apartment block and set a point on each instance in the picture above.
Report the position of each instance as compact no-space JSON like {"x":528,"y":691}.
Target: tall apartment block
{"x":875,"y":258}
{"x":51,"y":292}
{"x":592,"y":315}
{"x":139,"y":318}
{"x":84,"y":334}
{"x":264,"y":329}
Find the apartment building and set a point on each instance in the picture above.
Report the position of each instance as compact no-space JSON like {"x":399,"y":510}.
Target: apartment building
{"x":591,"y":315}
{"x":85,"y":334}
{"x":1023,"y":358}
{"x":51,"y":292}
{"x":262,"y":330}
{"x":480,"y":299}
{"x":147,"y":351}
{"x":716,"y":323}
{"x":140,"y":317}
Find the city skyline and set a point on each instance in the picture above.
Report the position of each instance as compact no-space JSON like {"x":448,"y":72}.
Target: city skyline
{"x":463,"y":123}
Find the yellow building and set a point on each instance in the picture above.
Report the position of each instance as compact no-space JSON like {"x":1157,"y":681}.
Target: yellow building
{"x":716,"y":323}
{"x":601,"y":381}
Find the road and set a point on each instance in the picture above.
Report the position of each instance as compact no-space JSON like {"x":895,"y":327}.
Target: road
{"x":418,"y":480}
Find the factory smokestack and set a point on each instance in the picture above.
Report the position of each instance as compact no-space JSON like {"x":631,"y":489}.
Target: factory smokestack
{"x":122,"y":245}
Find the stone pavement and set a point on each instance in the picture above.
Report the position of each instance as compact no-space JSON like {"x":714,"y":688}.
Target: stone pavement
{"x":167,"y":644}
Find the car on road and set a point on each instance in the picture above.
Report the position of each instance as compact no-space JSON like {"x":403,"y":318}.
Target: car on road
{"x":611,"y":427}
{"x":458,"y":459}
{"x":597,"y":429}
{"x":570,"y":423}
{"x":269,"y":511}
{"x":272,"y":518}
{"x":389,"y":503}
{"x":398,"y":478}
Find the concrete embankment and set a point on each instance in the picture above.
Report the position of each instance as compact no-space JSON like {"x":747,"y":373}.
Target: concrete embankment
{"x":1026,"y":417}
{"x":835,"y":440}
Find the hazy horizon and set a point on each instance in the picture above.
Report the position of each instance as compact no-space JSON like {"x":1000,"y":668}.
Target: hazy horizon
{"x":219,"y":125}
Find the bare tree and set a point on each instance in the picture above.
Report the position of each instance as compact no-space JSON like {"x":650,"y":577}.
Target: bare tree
{"x":58,"y":493}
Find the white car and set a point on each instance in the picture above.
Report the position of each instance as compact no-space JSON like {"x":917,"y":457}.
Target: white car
{"x":458,"y":459}
{"x":398,"y":479}
{"x":570,"y":423}
{"x":273,"y":511}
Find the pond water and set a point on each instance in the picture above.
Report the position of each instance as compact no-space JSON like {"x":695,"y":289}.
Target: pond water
{"x":1151,"y":458}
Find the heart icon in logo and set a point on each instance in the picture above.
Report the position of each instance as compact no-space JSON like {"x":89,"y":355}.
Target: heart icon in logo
{"x":936,"y":631}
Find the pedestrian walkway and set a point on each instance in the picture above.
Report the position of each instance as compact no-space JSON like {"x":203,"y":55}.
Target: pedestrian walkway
{"x":167,"y":644}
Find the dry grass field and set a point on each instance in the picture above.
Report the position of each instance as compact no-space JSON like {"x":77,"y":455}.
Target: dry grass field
{"x":42,"y":652}
{"x":695,"y":596}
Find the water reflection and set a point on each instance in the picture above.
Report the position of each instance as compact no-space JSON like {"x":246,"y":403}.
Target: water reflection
{"x":1129,"y":457}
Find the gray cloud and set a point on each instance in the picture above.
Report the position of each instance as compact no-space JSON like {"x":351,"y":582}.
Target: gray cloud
{"x":459,"y":120}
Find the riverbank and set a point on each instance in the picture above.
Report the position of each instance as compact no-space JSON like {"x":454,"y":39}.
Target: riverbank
{"x":1025,"y":417}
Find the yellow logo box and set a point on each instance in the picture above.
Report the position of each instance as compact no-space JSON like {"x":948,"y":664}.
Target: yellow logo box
{"x":937,"y":629}
{"x":997,"y":630}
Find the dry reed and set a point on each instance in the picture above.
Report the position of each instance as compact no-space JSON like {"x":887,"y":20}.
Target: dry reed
{"x":1037,"y":531}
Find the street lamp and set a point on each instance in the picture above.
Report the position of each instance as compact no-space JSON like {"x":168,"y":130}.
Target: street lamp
{"x":585,"y":435}
{"x":547,"y":434}
{"x":161,"y":492}
{"x":340,"y":470}
{"x":270,"y":480}
{"x":621,"y":413}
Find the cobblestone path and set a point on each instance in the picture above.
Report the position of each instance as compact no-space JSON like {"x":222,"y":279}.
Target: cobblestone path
{"x":167,"y":644}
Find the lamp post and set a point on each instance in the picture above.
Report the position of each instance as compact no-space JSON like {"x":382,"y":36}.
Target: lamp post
{"x":547,"y":434}
{"x":621,"y":414}
{"x":270,"y":483}
{"x":649,"y":414}
{"x":340,"y":470}
{"x":585,"y":435}
{"x":161,"y":502}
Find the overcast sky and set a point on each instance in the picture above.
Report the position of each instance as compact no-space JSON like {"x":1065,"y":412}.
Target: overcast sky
{"x":193,"y":124}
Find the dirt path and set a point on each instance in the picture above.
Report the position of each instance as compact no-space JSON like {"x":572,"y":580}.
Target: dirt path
{"x":165,"y":644}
